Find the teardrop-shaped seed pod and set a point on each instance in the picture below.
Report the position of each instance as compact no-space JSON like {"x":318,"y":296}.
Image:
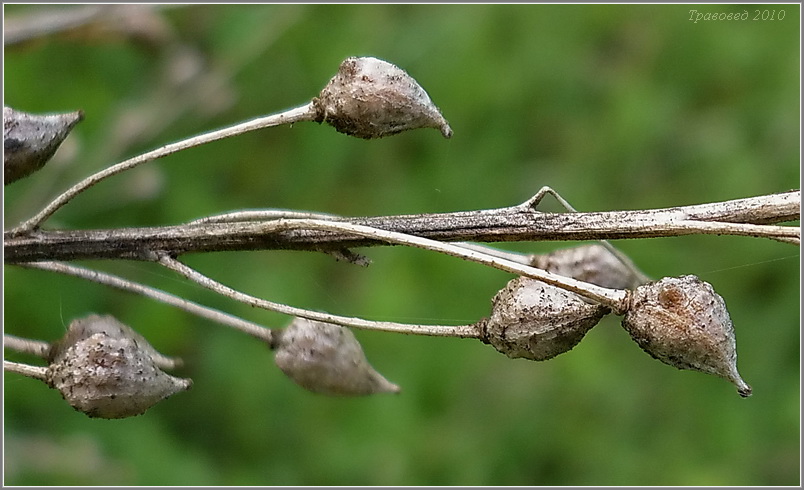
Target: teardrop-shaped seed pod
{"x":30,"y":140}
{"x":328,"y":359}
{"x":108,"y":374}
{"x":370,"y":98}
{"x":537,"y":321}
{"x":683,"y":322}
{"x":591,"y":263}
{"x":82,"y":328}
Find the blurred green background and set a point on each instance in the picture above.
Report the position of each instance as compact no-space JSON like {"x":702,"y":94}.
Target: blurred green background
{"x":614,"y":106}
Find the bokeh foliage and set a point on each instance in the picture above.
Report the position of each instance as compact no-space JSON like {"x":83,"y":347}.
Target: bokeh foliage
{"x":614,"y":106}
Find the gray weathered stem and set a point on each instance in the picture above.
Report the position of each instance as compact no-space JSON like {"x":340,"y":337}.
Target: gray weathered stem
{"x":614,"y":298}
{"x":38,"y":348}
{"x":460,"y":331}
{"x":298,"y":114}
{"x":37,"y":372}
{"x":106,"y":279}
{"x":747,"y":217}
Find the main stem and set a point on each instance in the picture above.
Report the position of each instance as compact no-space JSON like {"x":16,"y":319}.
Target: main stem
{"x":748,"y":217}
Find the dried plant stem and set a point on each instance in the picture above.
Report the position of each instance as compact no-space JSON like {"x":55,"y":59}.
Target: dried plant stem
{"x":36,"y":372}
{"x":521,"y":258}
{"x":106,"y":279}
{"x":38,"y":348}
{"x":747,"y":217}
{"x":613,"y":298}
{"x":537,"y":198}
{"x":272,"y":214}
{"x":518,"y":257}
{"x":261,"y":215}
{"x":461,"y":331}
{"x":298,"y":114}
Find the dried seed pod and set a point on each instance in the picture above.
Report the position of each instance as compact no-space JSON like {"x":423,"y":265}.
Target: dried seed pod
{"x":326,"y":358}
{"x":30,"y":140}
{"x":537,"y":321}
{"x":82,"y":328}
{"x":370,"y":98}
{"x":683,"y":322}
{"x":590,"y":263}
{"x":103,"y":372}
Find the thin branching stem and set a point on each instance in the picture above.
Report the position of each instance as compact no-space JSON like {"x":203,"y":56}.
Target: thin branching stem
{"x":261,"y":215}
{"x":613,"y":298}
{"x":624,"y":260}
{"x":272,"y":214}
{"x":253,"y":329}
{"x":37,"y":372}
{"x":298,"y":114}
{"x":38,"y":348}
{"x":461,"y":331}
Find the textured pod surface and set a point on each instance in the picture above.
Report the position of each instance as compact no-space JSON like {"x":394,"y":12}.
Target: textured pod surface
{"x":30,"y":140}
{"x":537,"y":321}
{"x":328,"y":359}
{"x":590,"y":263}
{"x":110,"y":377}
{"x":370,"y":98}
{"x":683,"y":322}
{"x":82,"y":328}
